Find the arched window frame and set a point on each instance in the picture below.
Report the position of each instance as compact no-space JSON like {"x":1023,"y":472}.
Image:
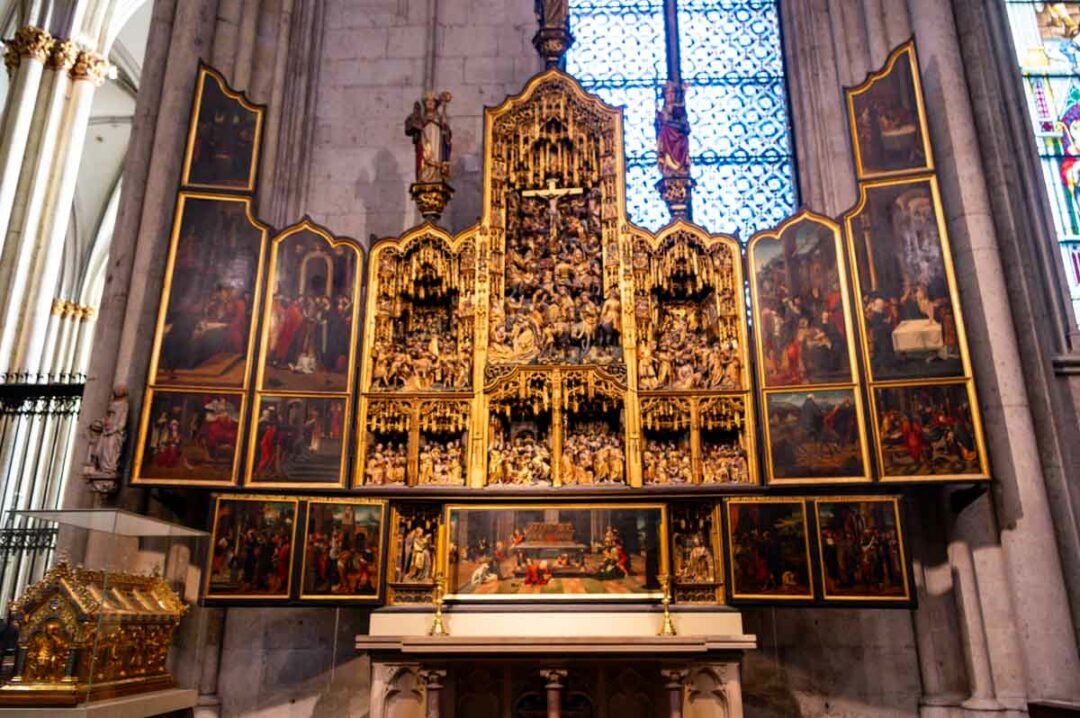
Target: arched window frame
{"x":731,"y":56}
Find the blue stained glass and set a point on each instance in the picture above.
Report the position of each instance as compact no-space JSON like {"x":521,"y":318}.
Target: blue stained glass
{"x":736,"y":100}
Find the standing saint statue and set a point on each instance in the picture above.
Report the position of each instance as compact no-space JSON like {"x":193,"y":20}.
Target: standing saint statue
{"x":429,"y":128}
{"x":673,"y":133}
{"x":553,"y":14}
{"x":107,"y":437}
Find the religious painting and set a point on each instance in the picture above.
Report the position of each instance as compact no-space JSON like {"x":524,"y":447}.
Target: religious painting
{"x":929,"y":431}
{"x":421,"y":306}
{"x":912,"y":325}
{"x":689,"y":311}
{"x":189,"y":437}
{"x":697,"y":569}
{"x":309,"y":336}
{"x":769,"y":549}
{"x":815,"y":436}
{"x":298,"y":441}
{"x":800,"y":304}
{"x":888,"y":122}
{"x":412,"y":554}
{"x":252,"y":552}
{"x":223,"y":141}
{"x":343,"y":552}
{"x":861,"y":547}
{"x":557,"y":552}
{"x":204,"y":334}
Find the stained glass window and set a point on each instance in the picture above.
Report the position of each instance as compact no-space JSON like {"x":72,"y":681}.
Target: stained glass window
{"x":733,"y":67}
{"x":1046,"y":36}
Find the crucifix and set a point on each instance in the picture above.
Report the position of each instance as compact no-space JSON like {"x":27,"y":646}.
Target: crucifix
{"x":552,"y":193}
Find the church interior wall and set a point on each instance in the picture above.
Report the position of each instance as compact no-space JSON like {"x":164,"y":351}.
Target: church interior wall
{"x":375,"y":61}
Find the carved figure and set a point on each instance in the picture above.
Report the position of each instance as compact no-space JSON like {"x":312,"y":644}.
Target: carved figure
{"x":673,"y":133}
{"x":429,"y":128}
{"x":553,"y":14}
{"x":107,"y":437}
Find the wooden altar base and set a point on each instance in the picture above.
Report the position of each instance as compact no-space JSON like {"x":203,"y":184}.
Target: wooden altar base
{"x":570,"y":662}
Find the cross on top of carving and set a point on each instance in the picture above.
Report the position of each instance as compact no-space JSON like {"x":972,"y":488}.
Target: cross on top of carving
{"x":553,"y":192}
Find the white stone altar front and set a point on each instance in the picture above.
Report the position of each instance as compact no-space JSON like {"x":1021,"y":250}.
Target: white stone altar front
{"x":563,"y":661}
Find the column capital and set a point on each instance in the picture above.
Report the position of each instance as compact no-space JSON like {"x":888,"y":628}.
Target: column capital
{"x":62,"y":55}
{"x":90,"y":66}
{"x":554,"y":676}
{"x":29,"y":41}
{"x":674,"y":676}
{"x":432,"y":676}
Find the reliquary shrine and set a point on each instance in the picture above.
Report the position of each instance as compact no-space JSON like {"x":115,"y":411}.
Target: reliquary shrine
{"x":88,"y":635}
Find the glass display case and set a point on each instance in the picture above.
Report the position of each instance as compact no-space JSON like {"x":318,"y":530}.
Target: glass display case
{"x":101,"y":619}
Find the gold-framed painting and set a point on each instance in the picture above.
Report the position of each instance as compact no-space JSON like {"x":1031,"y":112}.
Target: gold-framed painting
{"x":252,"y":548}
{"x":205,"y":328}
{"x":312,"y":310}
{"x":298,"y":441}
{"x":929,"y":431}
{"x":224,"y":136}
{"x":768,"y":541}
{"x":804,"y":340}
{"x":861,"y":549}
{"x":189,"y":437}
{"x":887,"y":119}
{"x":913,"y":328}
{"x":815,"y":435}
{"x":554,"y":552}
{"x":343,"y":550}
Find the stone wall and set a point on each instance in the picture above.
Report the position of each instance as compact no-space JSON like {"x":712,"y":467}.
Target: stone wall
{"x":375,"y":64}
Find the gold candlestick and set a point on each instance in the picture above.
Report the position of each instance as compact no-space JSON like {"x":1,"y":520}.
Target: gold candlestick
{"x":668,"y":628}
{"x":438,"y":628}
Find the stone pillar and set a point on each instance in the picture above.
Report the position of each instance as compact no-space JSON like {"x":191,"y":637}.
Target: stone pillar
{"x":554,"y":684}
{"x":674,"y":685}
{"x":1032,"y":566}
{"x":433,"y":682}
{"x":88,"y":72}
{"x":25,"y":59}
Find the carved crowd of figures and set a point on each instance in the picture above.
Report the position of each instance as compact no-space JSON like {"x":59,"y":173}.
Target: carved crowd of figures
{"x":442,"y":463}
{"x":555,"y":308}
{"x":592,"y":453}
{"x":387,"y":464}
{"x":523,"y":460}
{"x":683,"y":354}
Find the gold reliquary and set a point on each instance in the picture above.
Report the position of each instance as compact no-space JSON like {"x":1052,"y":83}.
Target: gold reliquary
{"x":88,"y":635}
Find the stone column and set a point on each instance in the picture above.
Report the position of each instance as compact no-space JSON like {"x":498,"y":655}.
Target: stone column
{"x":25,"y":59}
{"x":88,"y":72}
{"x":674,"y":685}
{"x":433,"y":682}
{"x":1033,"y":568}
{"x":554,"y":684}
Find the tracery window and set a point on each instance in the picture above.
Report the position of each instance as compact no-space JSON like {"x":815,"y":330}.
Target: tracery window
{"x":733,"y":67}
{"x":1046,"y":36}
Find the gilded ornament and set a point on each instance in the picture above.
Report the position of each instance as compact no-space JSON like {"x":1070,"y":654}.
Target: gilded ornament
{"x":63,"y":55}
{"x":29,"y":41}
{"x":90,"y":66}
